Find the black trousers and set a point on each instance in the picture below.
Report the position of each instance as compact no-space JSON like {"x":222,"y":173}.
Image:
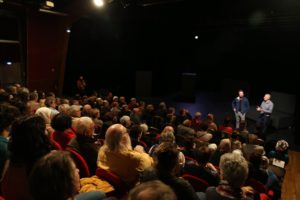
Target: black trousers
{"x":263,"y":121}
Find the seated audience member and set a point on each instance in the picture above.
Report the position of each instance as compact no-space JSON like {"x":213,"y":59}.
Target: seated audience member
{"x":234,"y":172}
{"x":255,"y":170}
{"x":281,"y":151}
{"x":152,"y":190}
{"x":196,"y":121}
{"x":252,"y":146}
{"x":209,"y":121}
{"x":135,"y":135}
{"x":8,"y":114}
{"x":63,"y":133}
{"x":203,"y":169}
{"x":116,"y":155}
{"x":84,"y":143}
{"x":224,"y":147}
{"x":226,"y":126}
{"x":55,"y":176}
{"x":27,"y":144}
{"x":46,"y":114}
{"x":167,"y":135}
{"x":166,"y":168}
{"x":185,"y":129}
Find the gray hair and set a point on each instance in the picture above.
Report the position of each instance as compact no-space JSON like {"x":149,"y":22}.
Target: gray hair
{"x":234,"y":169}
{"x":167,"y":136}
{"x":125,"y":120}
{"x":85,"y":126}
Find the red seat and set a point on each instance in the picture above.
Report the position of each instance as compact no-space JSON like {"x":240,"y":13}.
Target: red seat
{"x":198,"y":184}
{"x":56,"y":145}
{"x":259,"y":187}
{"x":1,"y":198}
{"x":190,"y":160}
{"x":256,"y":185}
{"x":114,"y":180}
{"x":80,"y":163}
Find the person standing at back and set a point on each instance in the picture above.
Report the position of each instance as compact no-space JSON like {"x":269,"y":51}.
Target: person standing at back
{"x":240,"y":106}
{"x":81,"y":86}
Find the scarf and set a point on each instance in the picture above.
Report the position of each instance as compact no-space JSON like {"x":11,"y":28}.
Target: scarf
{"x":224,"y":189}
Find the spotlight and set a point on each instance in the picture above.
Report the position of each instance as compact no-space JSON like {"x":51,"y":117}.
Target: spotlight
{"x":196,"y":37}
{"x":99,"y":3}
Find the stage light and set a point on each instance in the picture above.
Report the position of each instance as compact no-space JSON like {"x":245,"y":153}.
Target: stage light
{"x":99,"y":3}
{"x":196,"y":37}
{"x":8,"y":63}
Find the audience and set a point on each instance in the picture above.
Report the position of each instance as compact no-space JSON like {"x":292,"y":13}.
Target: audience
{"x":27,"y":141}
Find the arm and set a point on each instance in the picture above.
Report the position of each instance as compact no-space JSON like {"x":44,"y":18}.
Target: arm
{"x":233,"y":104}
{"x":247,"y":105}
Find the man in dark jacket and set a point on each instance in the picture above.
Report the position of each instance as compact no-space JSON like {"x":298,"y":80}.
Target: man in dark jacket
{"x":240,"y":106}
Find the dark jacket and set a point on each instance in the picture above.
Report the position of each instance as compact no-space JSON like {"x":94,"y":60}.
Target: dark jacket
{"x":244,"y":104}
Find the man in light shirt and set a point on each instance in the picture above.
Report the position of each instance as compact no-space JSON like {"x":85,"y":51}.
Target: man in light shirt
{"x":265,"y":109}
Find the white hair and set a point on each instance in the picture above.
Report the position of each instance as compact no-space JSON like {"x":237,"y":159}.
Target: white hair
{"x":85,"y":126}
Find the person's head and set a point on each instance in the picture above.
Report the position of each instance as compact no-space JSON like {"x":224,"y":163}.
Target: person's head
{"x":117,"y":138}
{"x":255,"y":159}
{"x":267,"y":97}
{"x":198,"y":115}
{"x":85,"y":127}
{"x":136,"y":132}
{"x":152,"y":190}
{"x":225,"y":145}
{"x":63,"y":108}
{"x":234,"y":169}
{"x":167,"y":135}
{"x":166,"y":158}
{"x":8,"y":114}
{"x":74,"y":111}
{"x":202,"y":155}
{"x":28,"y":140}
{"x":282,"y":146}
{"x":50,"y":102}
{"x":125,"y":121}
{"x":54,"y":176}
{"x":241,"y":93}
{"x":45,"y":113}
{"x":61,"y":122}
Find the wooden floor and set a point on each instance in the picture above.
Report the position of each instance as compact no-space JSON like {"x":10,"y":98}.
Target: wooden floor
{"x":291,"y":183}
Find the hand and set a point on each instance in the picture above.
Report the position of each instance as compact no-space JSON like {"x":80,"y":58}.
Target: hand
{"x":234,"y":109}
{"x":139,"y":148}
{"x":211,"y":167}
{"x":258,"y":108}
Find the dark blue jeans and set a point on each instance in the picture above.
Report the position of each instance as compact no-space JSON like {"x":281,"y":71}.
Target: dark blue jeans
{"x":263,"y":122}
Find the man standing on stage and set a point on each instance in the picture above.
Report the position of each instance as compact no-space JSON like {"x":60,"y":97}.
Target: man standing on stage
{"x":240,"y":106}
{"x":265,"y":109}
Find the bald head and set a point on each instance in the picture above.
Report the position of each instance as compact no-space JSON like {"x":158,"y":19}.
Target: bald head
{"x":117,"y":138}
